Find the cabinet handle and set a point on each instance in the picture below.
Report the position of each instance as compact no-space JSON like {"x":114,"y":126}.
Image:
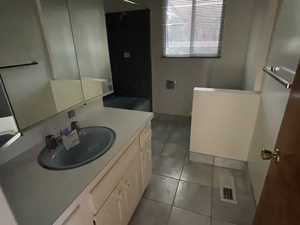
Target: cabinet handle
{"x":127,"y":184}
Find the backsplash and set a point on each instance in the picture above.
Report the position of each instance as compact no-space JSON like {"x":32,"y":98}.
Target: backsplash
{"x":36,"y":135}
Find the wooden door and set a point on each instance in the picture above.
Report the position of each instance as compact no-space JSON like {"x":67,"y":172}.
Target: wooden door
{"x":280,"y":200}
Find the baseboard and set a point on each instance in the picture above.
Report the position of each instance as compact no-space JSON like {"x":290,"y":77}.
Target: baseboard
{"x":217,"y":161}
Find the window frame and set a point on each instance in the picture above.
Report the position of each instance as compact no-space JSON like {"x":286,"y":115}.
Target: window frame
{"x":217,"y":56}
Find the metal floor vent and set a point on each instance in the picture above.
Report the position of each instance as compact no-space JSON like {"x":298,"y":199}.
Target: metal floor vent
{"x":227,"y":193}
{"x":227,"y":188}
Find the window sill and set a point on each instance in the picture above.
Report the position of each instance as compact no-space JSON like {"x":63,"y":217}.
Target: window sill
{"x":190,"y":57}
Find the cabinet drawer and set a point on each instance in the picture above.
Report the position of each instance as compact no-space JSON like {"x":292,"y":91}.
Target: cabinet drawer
{"x":104,"y":188}
{"x":145,"y":134}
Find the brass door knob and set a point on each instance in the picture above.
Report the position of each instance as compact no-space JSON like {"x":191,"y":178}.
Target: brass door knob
{"x":270,"y":155}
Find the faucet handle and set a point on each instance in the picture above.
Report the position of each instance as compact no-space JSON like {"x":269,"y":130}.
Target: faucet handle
{"x":51,"y":142}
{"x":75,"y":126}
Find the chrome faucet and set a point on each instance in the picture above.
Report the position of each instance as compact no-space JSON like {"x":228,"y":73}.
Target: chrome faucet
{"x":51,"y":142}
{"x":75,"y":126}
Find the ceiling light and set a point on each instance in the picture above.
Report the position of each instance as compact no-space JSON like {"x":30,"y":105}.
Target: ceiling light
{"x":130,"y":2}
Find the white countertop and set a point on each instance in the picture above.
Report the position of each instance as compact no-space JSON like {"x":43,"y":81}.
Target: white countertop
{"x":38,"y":196}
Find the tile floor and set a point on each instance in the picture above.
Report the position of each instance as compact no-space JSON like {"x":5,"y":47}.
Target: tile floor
{"x":186,"y":193}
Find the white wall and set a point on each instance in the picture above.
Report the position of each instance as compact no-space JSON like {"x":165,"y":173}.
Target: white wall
{"x":259,"y":43}
{"x":284,"y":51}
{"x":223,"y":122}
{"x":226,"y":72}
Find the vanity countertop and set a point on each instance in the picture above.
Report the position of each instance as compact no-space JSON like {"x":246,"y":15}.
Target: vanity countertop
{"x":38,"y":196}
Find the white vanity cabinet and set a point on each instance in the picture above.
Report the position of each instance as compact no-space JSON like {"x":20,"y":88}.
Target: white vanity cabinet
{"x":114,"y":198}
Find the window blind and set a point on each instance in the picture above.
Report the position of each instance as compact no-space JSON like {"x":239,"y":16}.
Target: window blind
{"x":192,"y":28}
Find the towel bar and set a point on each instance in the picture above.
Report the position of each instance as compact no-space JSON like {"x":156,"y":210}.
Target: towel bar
{"x":18,"y":65}
{"x":271,"y":71}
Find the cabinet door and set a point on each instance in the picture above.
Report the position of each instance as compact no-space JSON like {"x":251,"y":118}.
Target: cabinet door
{"x":20,"y":39}
{"x":122,"y":199}
{"x":146,"y":163}
{"x":133,"y":185}
{"x":58,"y":36}
{"x":110,"y":213}
{"x":122,"y":202}
{"x":90,"y":38}
{"x":112,"y":179}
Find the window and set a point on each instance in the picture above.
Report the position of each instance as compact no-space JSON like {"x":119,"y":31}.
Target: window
{"x":192,"y":28}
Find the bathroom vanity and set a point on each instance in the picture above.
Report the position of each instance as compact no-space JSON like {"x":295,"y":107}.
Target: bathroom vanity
{"x":57,"y":57}
{"x":103,"y":192}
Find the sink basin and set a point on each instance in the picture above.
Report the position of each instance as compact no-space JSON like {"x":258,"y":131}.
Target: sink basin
{"x":94,"y":142}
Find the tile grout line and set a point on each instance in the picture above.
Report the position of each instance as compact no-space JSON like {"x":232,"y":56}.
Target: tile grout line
{"x":173,"y":202}
{"x":165,"y":141}
{"x":212,"y":191}
{"x":157,"y":201}
{"x":185,"y":161}
{"x":173,"y":206}
{"x":179,"y":179}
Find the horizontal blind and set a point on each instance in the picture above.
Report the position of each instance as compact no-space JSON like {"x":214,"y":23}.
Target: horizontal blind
{"x":192,"y":28}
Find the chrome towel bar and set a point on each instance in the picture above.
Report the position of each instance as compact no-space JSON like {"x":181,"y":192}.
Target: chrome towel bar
{"x":19,"y":65}
{"x":272,"y":71}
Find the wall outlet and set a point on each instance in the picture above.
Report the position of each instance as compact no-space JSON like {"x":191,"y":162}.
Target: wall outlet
{"x":170,"y":84}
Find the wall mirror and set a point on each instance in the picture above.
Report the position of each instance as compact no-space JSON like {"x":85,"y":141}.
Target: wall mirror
{"x":90,"y":40}
{"x":9,"y":131}
{"x":68,"y":41}
{"x":76,"y":38}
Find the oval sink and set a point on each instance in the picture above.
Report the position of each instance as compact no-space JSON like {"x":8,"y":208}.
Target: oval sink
{"x":94,"y":142}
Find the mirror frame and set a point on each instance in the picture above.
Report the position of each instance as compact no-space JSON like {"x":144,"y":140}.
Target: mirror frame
{"x":19,"y":133}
